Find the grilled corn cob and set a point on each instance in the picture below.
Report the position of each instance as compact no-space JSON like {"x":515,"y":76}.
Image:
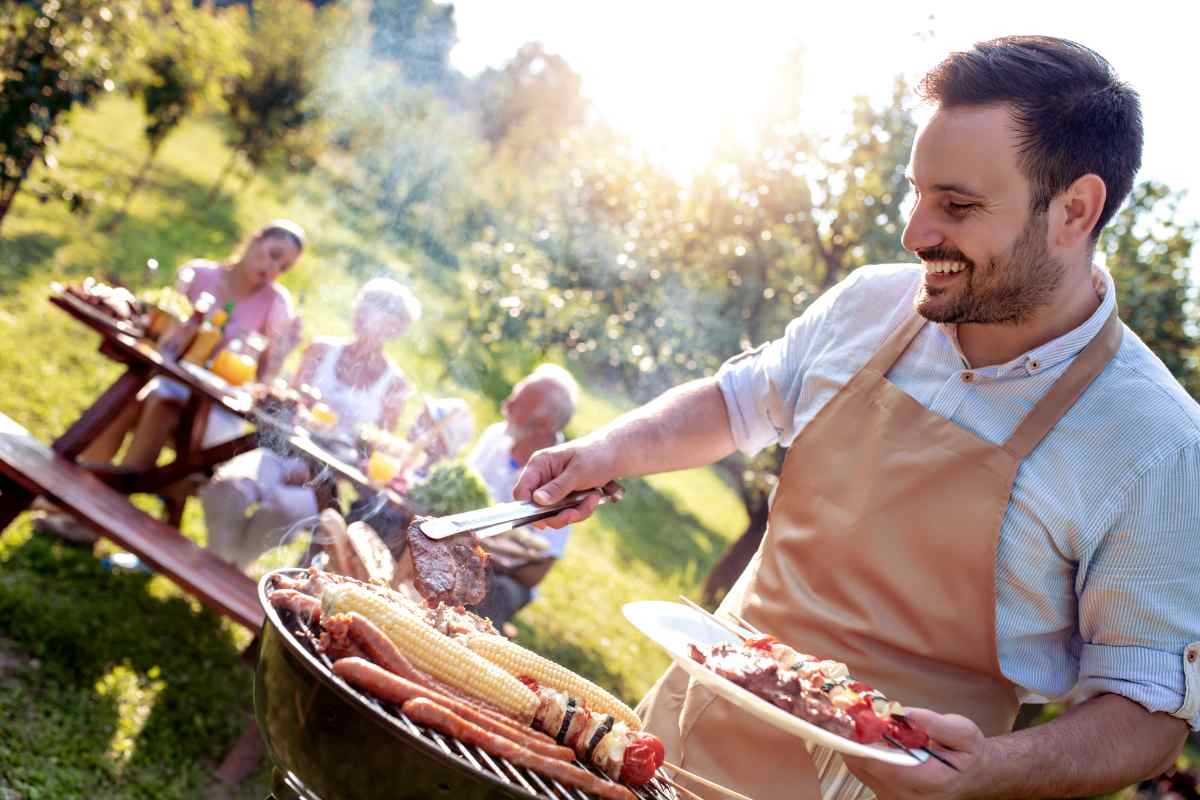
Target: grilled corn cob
{"x":516,"y":660}
{"x":433,"y":652}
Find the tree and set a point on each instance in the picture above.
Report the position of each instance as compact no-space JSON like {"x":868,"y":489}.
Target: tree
{"x":536,"y":93}
{"x":402,"y":162}
{"x":188,"y":51}
{"x":416,"y":34}
{"x":54,"y":55}
{"x":271,"y":102}
{"x":646,"y":285}
{"x":1148,"y":249}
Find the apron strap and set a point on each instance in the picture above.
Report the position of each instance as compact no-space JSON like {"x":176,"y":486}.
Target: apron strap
{"x":894,"y":346}
{"x":1090,"y":362}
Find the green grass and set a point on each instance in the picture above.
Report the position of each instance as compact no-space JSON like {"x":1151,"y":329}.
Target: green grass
{"x":121,"y":686}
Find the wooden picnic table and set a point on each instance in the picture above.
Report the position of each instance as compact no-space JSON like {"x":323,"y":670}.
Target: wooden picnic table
{"x":144,"y":362}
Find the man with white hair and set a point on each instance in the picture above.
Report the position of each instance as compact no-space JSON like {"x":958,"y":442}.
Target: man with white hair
{"x":535,"y":414}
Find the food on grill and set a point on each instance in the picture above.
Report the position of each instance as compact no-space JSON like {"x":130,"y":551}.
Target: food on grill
{"x":526,"y":664}
{"x":347,"y":635}
{"x":440,"y":718}
{"x":410,"y":654}
{"x":431,"y":651}
{"x":619,"y":751}
{"x":452,"y":570}
{"x":359,"y":552}
{"x":297,"y":602}
{"x":379,"y":682}
{"x":820,"y":692}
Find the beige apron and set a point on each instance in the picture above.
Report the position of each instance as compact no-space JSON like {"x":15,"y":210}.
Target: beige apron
{"x":880,"y":552}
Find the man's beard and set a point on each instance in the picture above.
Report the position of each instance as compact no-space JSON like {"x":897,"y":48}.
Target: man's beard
{"x":1006,"y":293}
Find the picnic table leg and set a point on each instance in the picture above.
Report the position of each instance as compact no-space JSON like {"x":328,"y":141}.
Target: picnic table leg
{"x":96,"y":418}
{"x":189,"y":438}
{"x":243,"y":758}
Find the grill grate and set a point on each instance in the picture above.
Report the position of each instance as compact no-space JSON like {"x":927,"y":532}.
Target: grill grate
{"x":534,"y":784}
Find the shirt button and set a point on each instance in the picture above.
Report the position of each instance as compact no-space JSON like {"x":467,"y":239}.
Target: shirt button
{"x":1191,"y":655}
{"x":1034,"y":364}
{"x":967,"y":377}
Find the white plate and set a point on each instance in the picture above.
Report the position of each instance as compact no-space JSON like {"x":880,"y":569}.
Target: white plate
{"x":674,"y":626}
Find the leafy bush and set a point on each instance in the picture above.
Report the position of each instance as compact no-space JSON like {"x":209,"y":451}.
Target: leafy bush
{"x":449,"y":489}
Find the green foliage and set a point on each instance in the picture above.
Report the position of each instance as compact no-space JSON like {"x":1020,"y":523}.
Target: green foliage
{"x":1148,"y":249}
{"x":185,"y":53}
{"x":54,"y":55}
{"x":647,"y":284}
{"x":531,"y":102}
{"x":271,"y":106}
{"x":415,"y":34}
{"x":450,"y":489}
{"x":404,"y":166}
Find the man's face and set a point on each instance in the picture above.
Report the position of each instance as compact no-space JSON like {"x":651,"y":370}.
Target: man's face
{"x":531,"y":409}
{"x":985,"y":253}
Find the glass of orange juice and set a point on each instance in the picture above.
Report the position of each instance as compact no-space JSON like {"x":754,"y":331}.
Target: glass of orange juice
{"x":236,"y":368}
{"x":323,"y":415}
{"x":382,"y":467}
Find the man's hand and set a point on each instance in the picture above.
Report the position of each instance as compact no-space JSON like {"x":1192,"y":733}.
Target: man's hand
{"x":553,"y":473}
{"x":955,"y":738}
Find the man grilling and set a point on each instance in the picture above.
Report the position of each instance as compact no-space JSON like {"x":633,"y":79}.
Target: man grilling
{"x":992,"y":489}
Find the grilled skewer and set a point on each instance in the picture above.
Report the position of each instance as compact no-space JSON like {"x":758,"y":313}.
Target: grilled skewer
{"x":753,"y":631}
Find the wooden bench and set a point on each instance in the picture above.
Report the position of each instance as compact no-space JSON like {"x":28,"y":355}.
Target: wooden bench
{"x":29,"y":468}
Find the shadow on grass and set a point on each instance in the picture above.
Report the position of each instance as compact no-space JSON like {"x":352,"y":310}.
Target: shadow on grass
{"x":653,"y":528}
{"x":23,"y":255}
{"x":198,"y":228}
{"x":182,"y":696}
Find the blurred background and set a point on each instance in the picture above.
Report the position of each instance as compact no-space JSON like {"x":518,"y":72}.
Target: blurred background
{"x":635,"y":190}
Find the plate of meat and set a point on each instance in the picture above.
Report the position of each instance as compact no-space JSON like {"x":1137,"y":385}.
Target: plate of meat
{"x":814,"y":699}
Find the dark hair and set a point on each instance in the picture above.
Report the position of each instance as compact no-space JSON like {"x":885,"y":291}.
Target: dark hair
{"x":1073,"y":115}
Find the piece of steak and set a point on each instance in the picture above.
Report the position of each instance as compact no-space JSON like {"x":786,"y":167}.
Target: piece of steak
{"x":452,"y":570}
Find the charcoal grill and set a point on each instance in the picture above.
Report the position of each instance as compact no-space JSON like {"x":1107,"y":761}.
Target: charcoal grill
{"x":328,"y":741}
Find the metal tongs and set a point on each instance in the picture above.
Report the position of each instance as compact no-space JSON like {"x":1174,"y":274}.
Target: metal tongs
{"x":505,"y":516}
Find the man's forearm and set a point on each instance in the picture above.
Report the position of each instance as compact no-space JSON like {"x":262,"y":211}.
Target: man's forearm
{"x":685,"y":427}
{"x":1099,"y":746}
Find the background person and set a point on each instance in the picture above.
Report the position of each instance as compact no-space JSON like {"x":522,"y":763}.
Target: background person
{"x":535,"y":414}
{"x":254,"y":499}
{"x":992,"y":488}
{"x":248,"y":280}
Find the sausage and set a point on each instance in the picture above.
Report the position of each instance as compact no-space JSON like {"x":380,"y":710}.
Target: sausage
{"x":373,"y":642}
{"x":297,"y":602}
{"x":377,"y":681}
{"x":440,"y":718}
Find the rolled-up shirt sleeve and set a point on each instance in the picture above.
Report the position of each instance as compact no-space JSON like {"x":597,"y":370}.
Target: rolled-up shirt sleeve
{"x":761,"y":387}
{"x":1139,"y":619}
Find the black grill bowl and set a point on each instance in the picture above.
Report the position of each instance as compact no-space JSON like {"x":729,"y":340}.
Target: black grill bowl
{"x":340,"y":745}
{"x":328,"y":741}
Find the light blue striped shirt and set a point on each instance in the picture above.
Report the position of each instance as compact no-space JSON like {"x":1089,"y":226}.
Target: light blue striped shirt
{"x":1098,"y":569}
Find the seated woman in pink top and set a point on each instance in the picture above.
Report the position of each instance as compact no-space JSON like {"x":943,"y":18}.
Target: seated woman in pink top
{"x":248,"y":281}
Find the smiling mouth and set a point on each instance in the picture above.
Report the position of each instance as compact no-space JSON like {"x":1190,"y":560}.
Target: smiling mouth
{"x":944,"y":267}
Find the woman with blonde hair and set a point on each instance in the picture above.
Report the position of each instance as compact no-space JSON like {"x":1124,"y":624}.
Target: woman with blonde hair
{"x":255,"y":499}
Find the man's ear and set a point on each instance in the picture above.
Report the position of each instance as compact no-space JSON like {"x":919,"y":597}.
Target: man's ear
{"x":1080,"y":206}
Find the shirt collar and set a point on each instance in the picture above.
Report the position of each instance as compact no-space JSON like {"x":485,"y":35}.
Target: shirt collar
{"x":1057,"y":350}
